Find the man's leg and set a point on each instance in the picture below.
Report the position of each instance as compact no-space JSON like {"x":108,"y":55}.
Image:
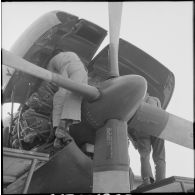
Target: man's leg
{"x":131,"y":178}
{"x":159,"y":157}
{"x":60,"y":120}
{"x":60,"y":125}
{"x":144,"y":148}
{"x":72,"y":104}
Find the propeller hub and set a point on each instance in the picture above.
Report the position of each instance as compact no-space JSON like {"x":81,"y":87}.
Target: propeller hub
{"x":120,"y":98}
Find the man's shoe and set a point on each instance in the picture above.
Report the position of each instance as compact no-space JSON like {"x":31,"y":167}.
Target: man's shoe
{"x":60,"y":132}
{"x":63,"y":128}
{"x":58,"y":143}
{"x":145,"y":182}
{"x":67,"y":140}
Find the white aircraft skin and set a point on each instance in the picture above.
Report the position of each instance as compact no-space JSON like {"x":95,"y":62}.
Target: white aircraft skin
{"x":157,"y":28}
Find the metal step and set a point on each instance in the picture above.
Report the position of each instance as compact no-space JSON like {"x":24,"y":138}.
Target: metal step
{"x":171,"y":184}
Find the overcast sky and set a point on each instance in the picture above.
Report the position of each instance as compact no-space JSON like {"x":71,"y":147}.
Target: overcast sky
{"x":162,"y":29}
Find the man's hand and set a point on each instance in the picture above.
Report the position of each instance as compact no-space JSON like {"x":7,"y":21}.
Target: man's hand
{"x":153,"y":101}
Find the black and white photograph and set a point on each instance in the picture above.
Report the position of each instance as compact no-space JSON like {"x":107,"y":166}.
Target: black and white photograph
{"x":97,"y":97}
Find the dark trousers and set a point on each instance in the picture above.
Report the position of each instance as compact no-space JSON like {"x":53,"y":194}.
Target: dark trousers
{"x":144,"y":144}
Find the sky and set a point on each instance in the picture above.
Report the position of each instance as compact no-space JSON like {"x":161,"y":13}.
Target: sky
{"x":162,"y":29}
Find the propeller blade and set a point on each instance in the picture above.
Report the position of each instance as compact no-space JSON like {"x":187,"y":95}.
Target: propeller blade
{"x":11,"y":60}
{"x":115,"y":12}
{"x":159,"y":123}
{"x":68,"y":171}
{"x":111,"y":161}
